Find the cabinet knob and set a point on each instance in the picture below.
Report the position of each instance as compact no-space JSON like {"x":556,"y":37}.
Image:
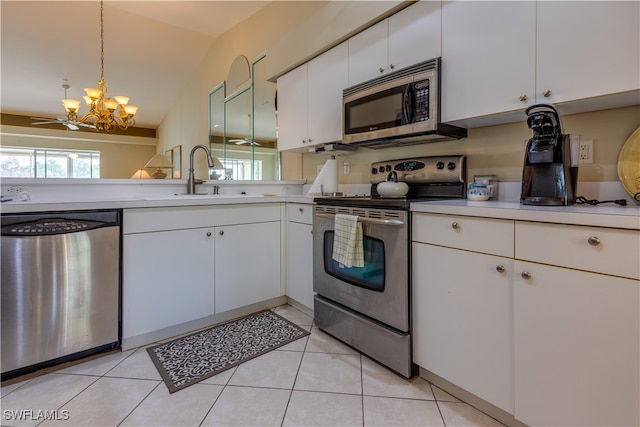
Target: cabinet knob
{"x":593,"y":241}
{"x":523,"y":98}
{"x":301,"y":210}
{"x":208,"y":234}
{"x":546,"y":93}
{"x":392,"y":66}
{"x":455,"y":226}
{"x":381,"y":70}
{"x":221,"y":232}
{"x":526,"y":275}
{"x":500,"y":268}
{"x":304,"y":141}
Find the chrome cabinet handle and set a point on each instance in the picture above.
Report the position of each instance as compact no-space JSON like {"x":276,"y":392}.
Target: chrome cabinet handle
{"x":392,"y":66}
{"x":546,"y":93}
{"x":500,"y":268}
{"x":208,"y":234}
{"x":523,"y":98}
{"x":381,"y":69}
{"x":593,"y":241}
{"x":221,"y":232}
{"x":526,"y":275}
{"x":455,"y":226}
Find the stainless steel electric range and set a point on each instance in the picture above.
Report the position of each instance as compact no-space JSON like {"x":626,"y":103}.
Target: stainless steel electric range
{"x":369,"y":307}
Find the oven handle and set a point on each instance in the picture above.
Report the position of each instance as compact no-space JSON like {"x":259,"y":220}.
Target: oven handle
{"x":365,"y":220}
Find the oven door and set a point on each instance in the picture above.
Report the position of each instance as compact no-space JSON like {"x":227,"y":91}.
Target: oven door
{"x":380,"y":289}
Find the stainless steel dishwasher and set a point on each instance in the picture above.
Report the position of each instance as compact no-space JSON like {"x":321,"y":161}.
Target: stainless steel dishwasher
{"x":60,"y":287}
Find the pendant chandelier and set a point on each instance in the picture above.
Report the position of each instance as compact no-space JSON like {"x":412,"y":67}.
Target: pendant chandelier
{"x":105,"y":114}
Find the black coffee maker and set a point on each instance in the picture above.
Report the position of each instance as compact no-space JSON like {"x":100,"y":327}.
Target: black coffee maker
{"x":550,"y":175}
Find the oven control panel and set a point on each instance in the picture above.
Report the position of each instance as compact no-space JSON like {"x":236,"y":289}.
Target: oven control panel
{"x":435,"y":169}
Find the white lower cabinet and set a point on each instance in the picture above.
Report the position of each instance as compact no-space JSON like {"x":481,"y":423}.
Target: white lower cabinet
{"x":299,"y":275}
{"x":247,"y":264}
{"x":167,"y":279}
{"x":463,"y":322}
{"x":549,"y":333}
{"x":182,"y":264}
{"x":576,"y":347}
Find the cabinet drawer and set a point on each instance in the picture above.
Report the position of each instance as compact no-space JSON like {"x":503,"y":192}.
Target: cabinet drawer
{"x":491,"y":236}
{"x":602,"y":250}
{"x":143,"y":220}
{"x":300,"y":212}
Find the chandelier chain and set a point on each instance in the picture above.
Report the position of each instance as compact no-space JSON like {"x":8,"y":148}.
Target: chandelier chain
{"x":101,"y":40}
{"x":105,"y":113}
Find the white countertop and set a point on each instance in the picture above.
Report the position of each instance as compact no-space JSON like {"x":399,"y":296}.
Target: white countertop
{"x":613,"y":216}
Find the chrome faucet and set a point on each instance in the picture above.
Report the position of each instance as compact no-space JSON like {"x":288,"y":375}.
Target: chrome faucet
{"x":191,"y":183}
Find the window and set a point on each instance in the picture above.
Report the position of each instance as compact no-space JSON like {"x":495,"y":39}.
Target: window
{"x":19,"y":162}
{"x":240,"y":169}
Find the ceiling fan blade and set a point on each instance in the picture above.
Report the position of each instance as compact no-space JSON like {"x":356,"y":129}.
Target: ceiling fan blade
{"x":45,"y":123}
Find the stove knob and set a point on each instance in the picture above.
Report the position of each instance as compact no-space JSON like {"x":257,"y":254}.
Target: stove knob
{"x":388,"y":168}
{"x":374,"y":171}
{"x":440,"y":165}
{"x":381,"y":169}
{"x":451,"y":166}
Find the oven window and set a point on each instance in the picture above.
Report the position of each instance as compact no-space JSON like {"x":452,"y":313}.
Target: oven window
{"x":371,"y":276}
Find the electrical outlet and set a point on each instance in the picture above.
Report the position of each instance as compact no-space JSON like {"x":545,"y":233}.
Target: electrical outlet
{"x":346,"y":166}
{"x":15,"y":190}
{"x":586,"y":152}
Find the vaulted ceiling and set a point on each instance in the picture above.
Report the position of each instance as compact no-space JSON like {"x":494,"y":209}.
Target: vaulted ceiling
{"x":151,"y":49}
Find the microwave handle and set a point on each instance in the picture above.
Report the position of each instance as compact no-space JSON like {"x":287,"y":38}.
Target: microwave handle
{"x":408,"y":103}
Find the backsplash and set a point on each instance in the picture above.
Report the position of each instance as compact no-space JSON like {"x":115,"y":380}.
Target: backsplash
{"x":492,"y":150}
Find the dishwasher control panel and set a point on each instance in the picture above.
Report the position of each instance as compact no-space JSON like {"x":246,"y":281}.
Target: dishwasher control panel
{"x":48,"y":227}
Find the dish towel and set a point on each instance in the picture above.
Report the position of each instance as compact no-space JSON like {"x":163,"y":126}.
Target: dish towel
{"x":347,"y":241}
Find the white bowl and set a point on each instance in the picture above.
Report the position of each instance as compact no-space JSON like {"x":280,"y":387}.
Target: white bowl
{"x":392,"y":189}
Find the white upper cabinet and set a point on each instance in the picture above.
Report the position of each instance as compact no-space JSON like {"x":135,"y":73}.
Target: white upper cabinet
{"x":368,"y":53}
{"x":292,"y":109}
{"x":415,"y":34}
{"x":587,"y":49}
{"x":310,"y":101}
{"x":406,"y":38}
{"x":327,"y":77}
{"x":501,"y":57}
{"x":488,"y":61}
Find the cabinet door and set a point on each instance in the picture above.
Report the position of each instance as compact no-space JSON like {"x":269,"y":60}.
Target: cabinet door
{"x":587,"y":49}
{"x":415,"y":34}
{"x":368,"y":53}
{"x":300,"y":263}
{"x":167,"y":279}
{"x":327,"y":77}
{"x":292,"y":109}
{"x":463,"y":320}
{"x":576,"y":347}
{"x":488,"y":57}
{"x":247,"y":264}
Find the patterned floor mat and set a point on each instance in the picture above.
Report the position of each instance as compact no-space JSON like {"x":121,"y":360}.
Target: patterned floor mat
{"x":193,"y":358}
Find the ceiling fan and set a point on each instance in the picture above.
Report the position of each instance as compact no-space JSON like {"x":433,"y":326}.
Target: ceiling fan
{"x":62,"y":120}
{"x":244,"y":141}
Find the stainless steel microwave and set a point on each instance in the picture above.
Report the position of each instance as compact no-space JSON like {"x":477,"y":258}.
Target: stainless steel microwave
{"x":399,"y":108}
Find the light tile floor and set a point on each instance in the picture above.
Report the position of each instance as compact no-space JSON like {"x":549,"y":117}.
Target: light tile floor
{"x":314,"y":381}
